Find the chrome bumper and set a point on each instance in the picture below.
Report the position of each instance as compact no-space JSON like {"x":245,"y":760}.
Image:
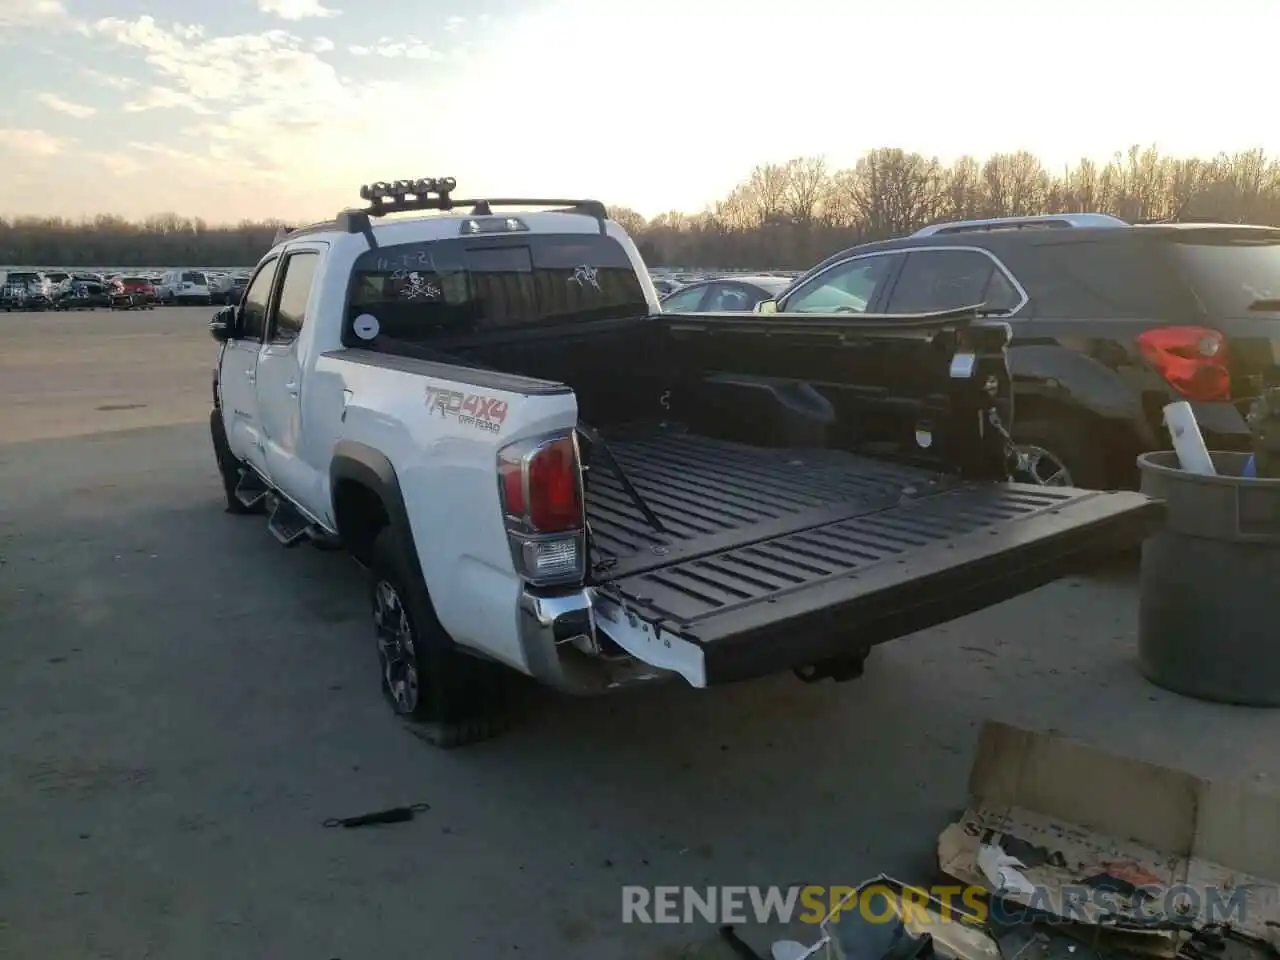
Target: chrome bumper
{"x":565,"y":650}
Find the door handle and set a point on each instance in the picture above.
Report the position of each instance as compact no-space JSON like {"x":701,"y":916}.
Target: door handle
{"x":292,"y":387}
{"x":251,"y":375}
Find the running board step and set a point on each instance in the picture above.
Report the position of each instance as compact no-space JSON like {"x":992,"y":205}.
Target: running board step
{"x":250,"y":491}
{"x":288,"y":525}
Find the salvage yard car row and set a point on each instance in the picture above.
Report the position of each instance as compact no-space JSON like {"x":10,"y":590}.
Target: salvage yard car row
{"x":62,"y":290}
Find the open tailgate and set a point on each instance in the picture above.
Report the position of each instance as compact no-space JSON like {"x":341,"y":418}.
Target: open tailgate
{"x":793,"y":599}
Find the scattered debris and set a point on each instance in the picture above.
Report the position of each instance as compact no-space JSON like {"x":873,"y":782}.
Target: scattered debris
{"x":394,"y":815}
{"x":1000,"y":870}
{"x":1141,"y":853}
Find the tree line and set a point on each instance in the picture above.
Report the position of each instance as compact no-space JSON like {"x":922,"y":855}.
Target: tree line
{"x":782,"y":216}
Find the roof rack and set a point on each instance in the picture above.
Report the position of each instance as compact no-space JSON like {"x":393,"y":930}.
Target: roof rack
{"x":433,"y":193}
{"x":436,"y":193}
{"x":1053,"y":221}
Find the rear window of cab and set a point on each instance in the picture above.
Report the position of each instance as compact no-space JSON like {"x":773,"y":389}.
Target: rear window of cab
{"x":442,"y":289}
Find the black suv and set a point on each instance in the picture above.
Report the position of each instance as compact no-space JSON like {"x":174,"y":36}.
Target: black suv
{"x":1111,"y":321}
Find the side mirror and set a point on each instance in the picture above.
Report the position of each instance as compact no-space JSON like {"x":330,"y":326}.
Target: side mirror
{"x":767,"y":306}
{"x":223,"y":325}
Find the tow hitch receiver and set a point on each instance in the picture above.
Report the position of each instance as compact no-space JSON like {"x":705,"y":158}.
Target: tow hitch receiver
{"x":839,"y":669}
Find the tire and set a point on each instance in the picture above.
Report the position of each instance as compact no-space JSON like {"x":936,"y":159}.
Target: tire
{"x":1048,"y":447}
{"x":446,"y":697}
{"x":228,"y":466}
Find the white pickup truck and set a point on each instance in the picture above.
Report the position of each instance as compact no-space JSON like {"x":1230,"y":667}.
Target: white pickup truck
{"x":547,"y":476}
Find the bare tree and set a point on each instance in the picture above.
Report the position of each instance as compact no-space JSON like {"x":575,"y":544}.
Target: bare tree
{"x":783,"y":215}
{"x":806,"y":181}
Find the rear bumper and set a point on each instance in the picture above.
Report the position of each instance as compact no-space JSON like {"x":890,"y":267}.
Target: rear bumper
{"x":563,"y":648}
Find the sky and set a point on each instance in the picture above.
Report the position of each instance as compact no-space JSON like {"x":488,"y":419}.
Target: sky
{"x":253,"y":109}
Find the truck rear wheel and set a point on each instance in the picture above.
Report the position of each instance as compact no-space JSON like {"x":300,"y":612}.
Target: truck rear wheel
{"x":449,"y":699}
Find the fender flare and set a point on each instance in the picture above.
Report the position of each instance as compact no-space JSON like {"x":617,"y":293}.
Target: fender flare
{"x":370,"y":468}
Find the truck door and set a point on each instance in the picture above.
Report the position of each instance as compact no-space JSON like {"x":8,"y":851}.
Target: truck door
{"x":239,"y":372}
{"x":280,"y":368}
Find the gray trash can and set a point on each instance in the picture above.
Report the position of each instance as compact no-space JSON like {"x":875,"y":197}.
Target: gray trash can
{"x":1209,"y":618}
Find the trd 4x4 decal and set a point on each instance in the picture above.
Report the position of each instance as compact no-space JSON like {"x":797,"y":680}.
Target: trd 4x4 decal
{"x":470,"y":409}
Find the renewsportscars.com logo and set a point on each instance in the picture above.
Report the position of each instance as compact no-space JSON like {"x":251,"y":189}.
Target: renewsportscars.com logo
{"x":879,"y":903}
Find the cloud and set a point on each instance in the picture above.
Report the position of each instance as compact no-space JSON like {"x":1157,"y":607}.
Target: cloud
{"x":165,"y":98}
{"x":56,"y":103}
{"x":118,"y":164}
{"x":272,"y":121}
{"x":30,"y":13}
{"x":270,"y":102}
{"x":109,"y":80}
{"x":410,"y":48}
{"x":31,"y":142}
{"x":454,"y":24}
{"x":296,"y":9}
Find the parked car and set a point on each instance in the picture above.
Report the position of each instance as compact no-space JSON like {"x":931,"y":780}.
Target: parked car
{"x":58,"y":281}
{"x":26,"y":290}
{"x":531,"y":497}
{"x":84,"y":291}
{"x":185,"y":287}
{"x":228,"y":289}
{"x":1111,"y":321}
{"x":724,"y":294}
{"x":132,"y":293}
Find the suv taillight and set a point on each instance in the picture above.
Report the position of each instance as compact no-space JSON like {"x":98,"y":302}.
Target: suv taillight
{"x":1193,"y":360}
{"x":540,"y":486}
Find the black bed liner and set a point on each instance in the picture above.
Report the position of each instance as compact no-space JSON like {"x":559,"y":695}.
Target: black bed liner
{"x":815,"y":552}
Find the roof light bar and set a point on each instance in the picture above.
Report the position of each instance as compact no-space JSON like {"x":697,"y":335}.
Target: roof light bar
{"x":397,"y":190}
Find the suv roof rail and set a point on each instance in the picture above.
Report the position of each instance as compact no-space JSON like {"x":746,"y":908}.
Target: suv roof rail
{"x":1051,"y":221}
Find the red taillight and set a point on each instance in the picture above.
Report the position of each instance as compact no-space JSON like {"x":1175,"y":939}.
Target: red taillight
{"x":1193,"y":360}
{"x":511,"y":485}
{"x":542,"y":486}
{"x":555,"y":503}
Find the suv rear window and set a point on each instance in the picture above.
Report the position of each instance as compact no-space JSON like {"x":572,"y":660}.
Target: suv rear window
{"x":193,"y":278}
{"x":427,"y":292}
{"x":1230,"y":269}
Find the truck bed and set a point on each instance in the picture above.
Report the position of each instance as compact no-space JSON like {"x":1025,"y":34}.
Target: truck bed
{"x":774,"y":558}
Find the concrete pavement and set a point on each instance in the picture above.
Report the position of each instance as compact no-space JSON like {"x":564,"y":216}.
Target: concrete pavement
{"x":182,"y":702}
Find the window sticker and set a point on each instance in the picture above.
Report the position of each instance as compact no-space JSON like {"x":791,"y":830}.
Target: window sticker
{"x":585,"y":276}
{"x":415,"y":286}
{"x":365,"y":326}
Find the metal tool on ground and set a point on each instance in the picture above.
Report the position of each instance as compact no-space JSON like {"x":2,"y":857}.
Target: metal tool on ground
{"x":393,"y":815}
